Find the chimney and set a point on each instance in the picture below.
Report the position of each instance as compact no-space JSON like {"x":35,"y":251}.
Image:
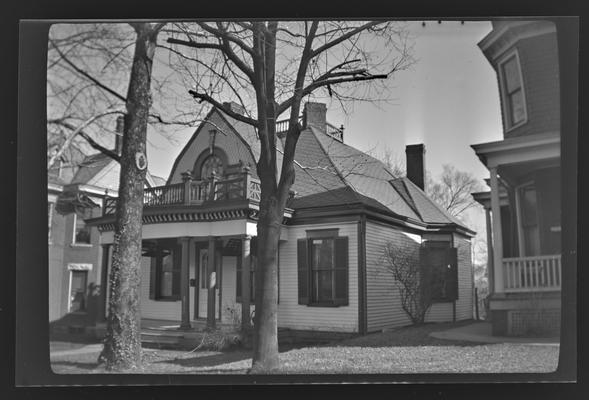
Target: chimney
{"x":314,"y":114}
{"x":233,"y":106}
{"x":120,"y":129}
{"x":415,"y":154}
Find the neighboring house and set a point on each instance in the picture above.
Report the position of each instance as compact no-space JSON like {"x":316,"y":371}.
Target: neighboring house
{"x":199,"y":233}
{"x":525,"y":241}
{"x":76,"y":188}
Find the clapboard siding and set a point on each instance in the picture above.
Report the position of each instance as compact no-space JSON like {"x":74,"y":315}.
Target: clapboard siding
{"x":383,"y":304}
{"x":166,"y":310}
{"x":295,"y":316}
{"x":465,"y":302}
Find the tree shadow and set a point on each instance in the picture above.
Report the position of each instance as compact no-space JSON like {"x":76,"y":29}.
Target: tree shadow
{"x":210,"y":360}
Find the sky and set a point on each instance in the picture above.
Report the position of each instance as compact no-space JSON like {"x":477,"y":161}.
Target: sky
{"x":447,"y":100}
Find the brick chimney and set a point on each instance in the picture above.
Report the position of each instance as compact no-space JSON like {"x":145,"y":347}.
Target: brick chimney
{"x":314,"y":114}
{"x":233,"y":106}
{"x":119,"y":129}
{"x":415,"y":154}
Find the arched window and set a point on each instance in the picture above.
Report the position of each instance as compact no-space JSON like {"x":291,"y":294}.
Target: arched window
{"x":213,"y":163}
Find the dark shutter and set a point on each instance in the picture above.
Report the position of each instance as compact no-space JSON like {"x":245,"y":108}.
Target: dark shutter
{"x":238,"y":282}
{"x":452,"y":274}
{"x":341,"y":271}
{"x":176,"y":271}
{"x":153,"y":279}
{"x":303,"y":270}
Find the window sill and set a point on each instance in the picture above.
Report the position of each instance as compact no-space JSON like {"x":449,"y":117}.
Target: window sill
{"x":82,"y":245}
{"x":166,"y":300}
{"x":326,"y":305}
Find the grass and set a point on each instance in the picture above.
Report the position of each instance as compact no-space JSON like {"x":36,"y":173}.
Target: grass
{"x":405,"y":350}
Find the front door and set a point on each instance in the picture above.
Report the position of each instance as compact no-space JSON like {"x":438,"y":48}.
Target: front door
{"x":202,"y":282}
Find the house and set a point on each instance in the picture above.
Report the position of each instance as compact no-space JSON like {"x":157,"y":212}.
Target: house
{"x":199,"y":233}
{"x":523,"y":207}
{"x":76,"y":187}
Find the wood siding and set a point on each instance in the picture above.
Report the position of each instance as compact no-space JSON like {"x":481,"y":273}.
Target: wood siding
{"x":383,"y":305}
{"x":303,"y":317}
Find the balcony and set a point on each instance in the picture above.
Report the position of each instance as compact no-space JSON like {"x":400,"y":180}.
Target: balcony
{"x":532,"y":274}
{"x":241,"y":186}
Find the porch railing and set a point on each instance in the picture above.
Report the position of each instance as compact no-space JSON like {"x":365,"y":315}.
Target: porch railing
{"x":530,"y":274}
{"x":190,"y":192}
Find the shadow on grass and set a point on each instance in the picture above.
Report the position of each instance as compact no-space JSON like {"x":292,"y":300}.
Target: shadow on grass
{"x":75,"y":364}
{"x":210,"y":360}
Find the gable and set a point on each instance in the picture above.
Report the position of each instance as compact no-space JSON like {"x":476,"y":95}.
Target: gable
{"x":227,"y":139}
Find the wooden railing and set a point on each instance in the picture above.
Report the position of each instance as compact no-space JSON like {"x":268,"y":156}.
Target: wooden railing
{"x":191,"y":192}
{"x":530,"y":274}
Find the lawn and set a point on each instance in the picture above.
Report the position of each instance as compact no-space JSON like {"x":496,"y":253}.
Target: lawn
{"x":405,"y":350}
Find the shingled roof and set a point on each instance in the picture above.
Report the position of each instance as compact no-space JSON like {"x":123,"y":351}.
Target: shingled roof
{"x":330,"y":173}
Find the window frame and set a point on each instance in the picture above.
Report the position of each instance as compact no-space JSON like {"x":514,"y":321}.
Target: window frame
{"x":50,"y":211}
{"x":84,"y":294}
{"x":157,"y":265}
{"x":75,"y":241}
{"x":311,"y":271}
{"x":505,"y":96}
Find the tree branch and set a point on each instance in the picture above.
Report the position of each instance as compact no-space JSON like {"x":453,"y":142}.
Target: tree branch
{"x":205,"y":97}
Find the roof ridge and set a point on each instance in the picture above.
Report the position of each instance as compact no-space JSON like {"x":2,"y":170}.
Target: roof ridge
{"x":339,"y":173}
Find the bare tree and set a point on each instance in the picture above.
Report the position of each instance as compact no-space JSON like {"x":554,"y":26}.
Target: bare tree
{"x":392,"y":161}
{"x":453,"y":190}
{"x":414,"y":283}
{"x":270,"y":67}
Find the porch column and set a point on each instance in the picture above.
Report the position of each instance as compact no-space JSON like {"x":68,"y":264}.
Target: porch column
{"x":211,"y":275}
{"x":490,"y":269}
{"x":245,"y":282}
{"x":185,"y":283}
{"x":497,"y":232}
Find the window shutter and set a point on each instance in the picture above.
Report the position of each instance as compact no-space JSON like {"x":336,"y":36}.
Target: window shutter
{"x":153,"y":279}
{"x":176,"y":274}
{"x":238,"y":270}
{"x":341,"y":271}
{"x":303,"y":270}
{"x":452,"y":274}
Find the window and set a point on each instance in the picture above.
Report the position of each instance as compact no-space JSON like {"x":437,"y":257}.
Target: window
{"x":78,"y":281}
{"x":439,"y":268}
{"x":212,"y":164}
{"x":513,"y":91}
{"x":165,"y":273}
{"x":529,"y":220}
{"x":82,"y":233}
{"x":323,"y":270}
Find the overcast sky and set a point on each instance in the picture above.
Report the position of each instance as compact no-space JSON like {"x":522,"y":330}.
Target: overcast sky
{"x":448,"y":100}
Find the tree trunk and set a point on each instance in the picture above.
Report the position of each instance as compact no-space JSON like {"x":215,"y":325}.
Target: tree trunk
{"x":122,"y":347}
{"x":265,"y":357}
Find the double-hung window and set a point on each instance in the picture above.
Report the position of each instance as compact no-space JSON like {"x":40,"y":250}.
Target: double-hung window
{"x":513,"y":91}
{"x":323,"y":269}
{"x":82,"y":233}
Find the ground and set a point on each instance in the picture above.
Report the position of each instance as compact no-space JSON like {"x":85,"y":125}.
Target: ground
{"x":405,"y":350}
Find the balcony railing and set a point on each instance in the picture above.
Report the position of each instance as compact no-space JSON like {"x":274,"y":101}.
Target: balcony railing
{"x":531,"y":274}
{"x":190,"y":192}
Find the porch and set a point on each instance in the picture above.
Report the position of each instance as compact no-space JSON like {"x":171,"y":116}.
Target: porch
{"x":532,"y":274}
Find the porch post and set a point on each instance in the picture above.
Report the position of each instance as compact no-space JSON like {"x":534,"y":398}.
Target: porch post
{"x":211,"y":275}
{"x":184,"y":283}
{"x":490,"y":269}
{"x":187,"y":179}
{"x":245,"y":282}
{"x":497,"y":232}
